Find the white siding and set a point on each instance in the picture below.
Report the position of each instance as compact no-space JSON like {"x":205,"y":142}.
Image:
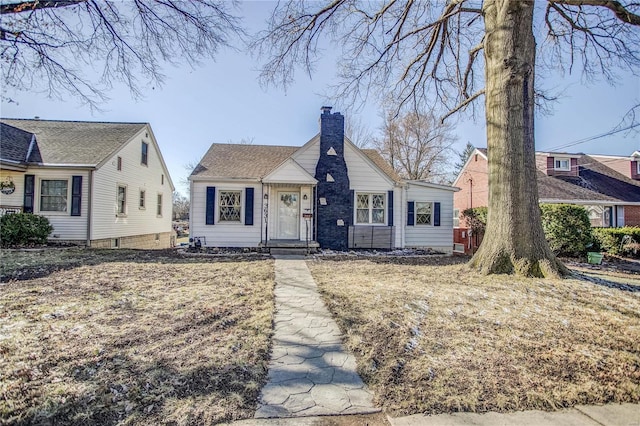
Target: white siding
{"x":436,"y":237}
{"x":308,"y":158}
{"x":225,"y":234}
{"x":362,"y":175}
{"x":65,"y":226}
{"x":106,"y":223}
{"x":15,"y":199}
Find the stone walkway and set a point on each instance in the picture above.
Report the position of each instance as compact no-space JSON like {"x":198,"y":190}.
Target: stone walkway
{"x":310,"y":373}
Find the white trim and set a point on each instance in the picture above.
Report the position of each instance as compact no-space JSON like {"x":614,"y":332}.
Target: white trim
{"x":31,"y":145}
{"x":433,"y":185}
{"x":466,"y":163}
{"x":561,"y":160}
{"x":213,"y":180}
{"x":588,"y":202}
{"x":385,"y":208}
{"x":217,"y":219}
{"x":309,"y":180}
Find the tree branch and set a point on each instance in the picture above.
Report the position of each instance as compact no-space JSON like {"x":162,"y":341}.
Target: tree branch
{"x":618,"y":9}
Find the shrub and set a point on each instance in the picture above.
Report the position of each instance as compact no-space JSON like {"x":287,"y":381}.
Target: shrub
{"x":476,"y":219}
{"x":19,"y":229}
{"x":620,"y":241}
{"x":567,"y":228}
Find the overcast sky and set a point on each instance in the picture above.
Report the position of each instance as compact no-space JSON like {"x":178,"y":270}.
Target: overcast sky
{"x":222,"y":101}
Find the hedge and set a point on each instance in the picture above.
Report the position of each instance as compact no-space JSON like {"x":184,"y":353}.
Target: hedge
{"x":613,"y":241}
{"x":567,"y":229}
{"x":23,"y":229}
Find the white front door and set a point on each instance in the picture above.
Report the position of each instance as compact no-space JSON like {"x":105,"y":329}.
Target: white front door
{"x":288,"y":215}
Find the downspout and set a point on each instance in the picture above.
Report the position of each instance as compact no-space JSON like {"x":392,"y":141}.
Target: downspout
{"x":403,"y":204}
{"x":262,"y":212}
{"x":89,"y":207}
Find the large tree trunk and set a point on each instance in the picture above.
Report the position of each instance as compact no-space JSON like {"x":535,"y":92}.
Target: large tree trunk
{"x":514,"y":240}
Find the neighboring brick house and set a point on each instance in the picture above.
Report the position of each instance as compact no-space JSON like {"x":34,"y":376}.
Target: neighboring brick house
{"x":99,"y":184}
{"x":327,"y":193}
{"x":607,"y":186}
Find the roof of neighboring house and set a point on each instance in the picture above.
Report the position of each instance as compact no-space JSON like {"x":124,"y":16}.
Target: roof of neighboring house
{"x":14,"y":143}
{"x":599,"y":179}
{"x":229,"y":161}
{"x":595,"y":181}
{"x":238,"y":161}
{"x":70,"y":142}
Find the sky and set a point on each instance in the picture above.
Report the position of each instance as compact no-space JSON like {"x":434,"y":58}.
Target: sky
{"x":221,"y":101}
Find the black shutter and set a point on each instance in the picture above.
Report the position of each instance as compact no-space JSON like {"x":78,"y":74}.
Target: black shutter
{"x":410,"y":213}
{"x":390,"y":208}
{"x":29,"y":190}
{"x":436,"y":214}
{"x":76,"y":195}
{"x":211,"y":202}
{"x":248,"y":206}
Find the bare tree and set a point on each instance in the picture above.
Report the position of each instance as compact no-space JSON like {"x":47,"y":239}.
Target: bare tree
{"x":452,"y":53}
{"x":47,"y":45}
{"x":180,"y":206}
{"x":357,"y":131}
{"x":418,"y":146}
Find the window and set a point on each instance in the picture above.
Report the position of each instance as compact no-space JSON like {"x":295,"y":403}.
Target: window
{"x":145,"y":153}
{"x":424,"y":213}
{"x":119,"y":163}
{"x":122,"y":200}
{"x":638,"y":166}
{"x":456,"y":218}
{"x":159,"y":206}
{"x":370,"y":208}
{"x":142,"y":202}
{"x":229,"y":206}
{"x":53,"y":195}
{"x":562,"y":164}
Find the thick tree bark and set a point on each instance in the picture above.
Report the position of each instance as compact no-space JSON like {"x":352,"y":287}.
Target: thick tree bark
{"x":514,"y":240}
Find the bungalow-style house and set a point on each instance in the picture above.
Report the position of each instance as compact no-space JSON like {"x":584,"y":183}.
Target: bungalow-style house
{"x":327,"y":193}
{"x":607,"y":186}
{"x":102,"y":185}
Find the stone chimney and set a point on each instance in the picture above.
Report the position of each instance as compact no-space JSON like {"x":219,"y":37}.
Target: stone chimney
{"x":334,"y":211}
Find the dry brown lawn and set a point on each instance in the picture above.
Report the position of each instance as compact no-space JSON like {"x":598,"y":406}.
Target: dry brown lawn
{"x":438,"y":338}
{"x":132,"y":338}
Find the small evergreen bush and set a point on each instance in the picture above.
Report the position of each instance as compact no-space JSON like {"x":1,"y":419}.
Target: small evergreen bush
{"x":20,"y":229}
{"x":567,"y":229}
{"x":476,"y":219}
{"x":619,"y":241}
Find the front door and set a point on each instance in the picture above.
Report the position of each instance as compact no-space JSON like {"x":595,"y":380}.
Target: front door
{"x":288,"y":215}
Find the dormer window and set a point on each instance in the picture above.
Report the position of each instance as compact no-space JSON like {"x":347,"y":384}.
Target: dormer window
{"x":562,"y":164}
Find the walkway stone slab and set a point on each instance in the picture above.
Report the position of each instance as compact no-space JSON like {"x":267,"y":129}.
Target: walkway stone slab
{"x":310,"y":372}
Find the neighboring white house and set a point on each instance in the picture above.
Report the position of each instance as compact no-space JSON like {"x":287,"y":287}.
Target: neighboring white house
{"x":99,"y":184}
{"x":327,"y":193}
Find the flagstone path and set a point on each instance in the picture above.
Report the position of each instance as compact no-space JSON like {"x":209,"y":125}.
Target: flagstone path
{"x":310,"y":372}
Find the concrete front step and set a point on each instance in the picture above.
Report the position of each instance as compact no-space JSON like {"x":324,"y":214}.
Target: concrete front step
{"x":297,"y":251}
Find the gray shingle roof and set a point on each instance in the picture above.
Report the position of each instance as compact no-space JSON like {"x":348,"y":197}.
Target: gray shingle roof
{"x":375,"y":156}
{"x":74,"y":142}
{"x":237,"y":161}
{"x":595,"y":181}
{"x":14,"y":143}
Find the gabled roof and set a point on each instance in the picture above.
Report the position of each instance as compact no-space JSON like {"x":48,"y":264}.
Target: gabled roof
{"x":289,"y":172}
{"x":382,"y":164}
{"x":70,"y":142}
{"x":237,"y":161}
{"x":15,"y":143}
{"x":596,"y":181}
